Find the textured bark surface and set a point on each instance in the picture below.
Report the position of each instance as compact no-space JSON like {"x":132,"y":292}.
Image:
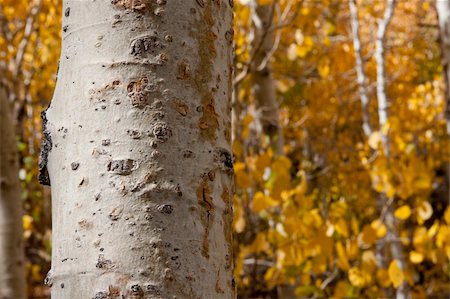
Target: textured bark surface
{"x":140,"y":164}
{"x":12,"y":263}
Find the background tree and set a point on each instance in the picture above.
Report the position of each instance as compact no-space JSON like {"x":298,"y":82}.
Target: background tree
{"x":307,"y":219}
{"x":12,"y":261}
{"x":29,"y":50}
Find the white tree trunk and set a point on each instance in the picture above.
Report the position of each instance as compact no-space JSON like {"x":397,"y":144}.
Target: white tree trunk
{"x":397,"y":250}
{"x":140,"y":162}
{"x":12,"y":259}
{"x":360,"y":73}
{"x":443,"y":10}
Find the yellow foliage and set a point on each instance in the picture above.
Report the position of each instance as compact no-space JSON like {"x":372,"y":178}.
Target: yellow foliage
{"x":383,"y":277}
{"x":424,"y":212}
{"x":379,"y":227}
{"x":403,"y":212}
{"x":447,"y":215}
{"x":356,"y":277}
{"x":242,"y":178}
{"x":369,"y":235}
{"x":27,"y":222}
{"x":261,"y":202}
{"x":396,"y":275}
{"x":342,"y":260}
{"x":416,"y":257}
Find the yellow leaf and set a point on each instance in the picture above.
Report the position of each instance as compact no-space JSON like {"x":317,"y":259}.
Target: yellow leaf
{"x":396,"y":275}
{"x":383,"y":278}
{"x":415,"y":257}
{"x":423,"y":181}
{"x":308,"y":41}
{"x":369,"y":235}
{"x":342,"y":261}
{"x":302,"y":51}
{"x":242,"y":178}
{"x":260,"y":243}
{"x":374,"y":140}
{"x":341,"y":227}
{"x":424,"y":211}
{"x":262,"y":202}
{"x":447,"y":215}
{"x":324,"y":68}
{"x":238,"y":219}
{"x":356,"y":278}
{"x":403,"y":212}
{"x":27,"y":222}
{"x":380,"y":228}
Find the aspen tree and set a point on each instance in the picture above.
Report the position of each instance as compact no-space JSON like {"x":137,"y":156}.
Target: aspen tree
{"x":137,"y":149}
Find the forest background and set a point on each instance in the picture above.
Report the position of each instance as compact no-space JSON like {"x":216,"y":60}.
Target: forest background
{"x":340,"y":141}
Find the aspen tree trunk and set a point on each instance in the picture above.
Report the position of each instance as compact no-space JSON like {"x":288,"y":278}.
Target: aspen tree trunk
{"x":443,"y":9}
{"x":397,"y":249}
{"x":361,"y":74}
{"x":138,"y":150}
{"x":261,"y":73}
{"x":12,"y":260}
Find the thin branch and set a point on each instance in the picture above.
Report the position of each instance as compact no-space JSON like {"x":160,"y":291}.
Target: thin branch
{"x":270,"y":28}
{"x":21,"y":48}
{"x":6,"y":33}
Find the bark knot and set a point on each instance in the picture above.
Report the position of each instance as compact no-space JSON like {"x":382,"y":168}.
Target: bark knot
{"x":46,"y":146}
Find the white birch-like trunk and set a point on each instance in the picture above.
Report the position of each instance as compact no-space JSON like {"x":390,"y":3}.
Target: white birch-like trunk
{"x":263,"y":83}
{"x":140,"y":163}
{"x":443,"y":10}
{"x":397,"y":250}
{"x":12,"y":259}
{"x":360,"y":73}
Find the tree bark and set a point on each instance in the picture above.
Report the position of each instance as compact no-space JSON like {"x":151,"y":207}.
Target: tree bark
{"x":361,"y":74}
{"x":397,"y":250}
{"x":443,"y":10}
{"x":12,"y":259}
{"x":138,"y":150}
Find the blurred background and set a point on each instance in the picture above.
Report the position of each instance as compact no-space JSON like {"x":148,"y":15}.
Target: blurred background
{"x":340,"y":140}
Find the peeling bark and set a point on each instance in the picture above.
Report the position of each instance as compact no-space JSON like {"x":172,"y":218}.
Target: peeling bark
{"x":12,"y":259}
{"x":140,"y":163}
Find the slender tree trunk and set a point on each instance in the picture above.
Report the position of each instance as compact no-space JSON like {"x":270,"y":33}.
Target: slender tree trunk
{"x":361,"y":74}
{"x":261,"y":72}
{"x":12,"y":260}
{"x":397,"y":250}
{"x":138,"y":146}
{"x":443,"y":9}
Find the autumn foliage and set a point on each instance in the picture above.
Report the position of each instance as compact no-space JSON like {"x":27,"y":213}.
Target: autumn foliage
{"x":310,"y":220}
